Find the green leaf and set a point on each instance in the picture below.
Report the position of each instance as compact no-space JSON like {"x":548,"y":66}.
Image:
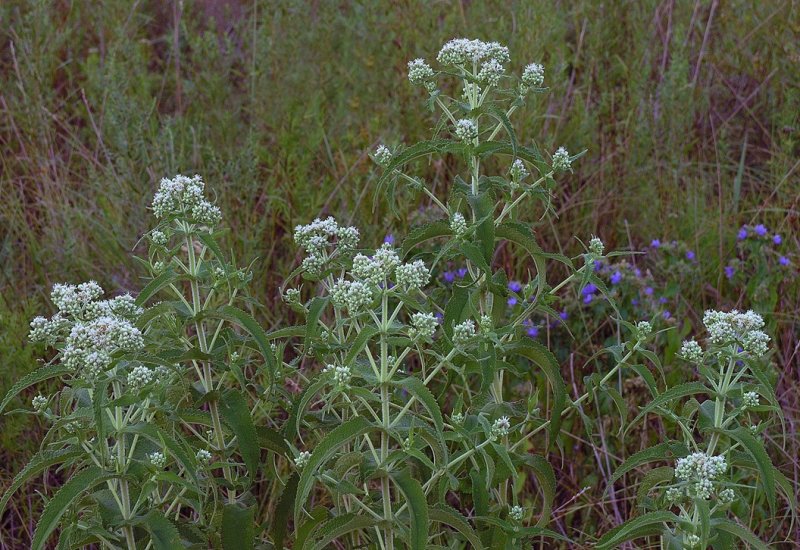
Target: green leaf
{"x":41,"y":461}
{"x":39,"y":375}
{"x":755,"y":448}
{"x":280,"y":519}
{"x":662,"y":451}
{"x":652,"y":478}
{"x":454,"y":309}
{"x":682,"y":390}
{"x":417,"y":506}
{"x":547,"y":483}
{"x":62,"y":500}
{"x":293,"y":426}
{"x":236,"y":413}
{"x":312,"y":319}
{"x":639,"y":526}
{"x":237,"y":527}
{"x":336,"y":527}
{"x":322,"y":452}
{"x":424,"y":233}
{"x":163,"y":532}
{"x":447,"y":515}
{"x":743,"y":534}
{"x":245,"y":321}
{"x":415,"y":387}
{"x":160,"y":437}
{"x":546,"y":361}
{"x":359,"y":343}
{"x":165,"y":279}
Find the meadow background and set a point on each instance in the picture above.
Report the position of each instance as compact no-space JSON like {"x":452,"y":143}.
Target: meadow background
{"x":689,"y":111}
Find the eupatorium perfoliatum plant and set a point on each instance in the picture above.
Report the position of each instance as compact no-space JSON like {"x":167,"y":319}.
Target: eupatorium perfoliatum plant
{"x":720,"y":474}
{"x":153,"y":419}
{"x":428,"y":400}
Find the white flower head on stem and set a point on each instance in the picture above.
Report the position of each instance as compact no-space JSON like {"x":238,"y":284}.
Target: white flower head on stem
{"x":466,"y":130}
{"x":691,"y":351}
{"x":533,"y":75}
{"x":463,"y":333}
{"x":382,"y":156}
{"x":412,"y":276}
{"x":157,"y":459}
{"x":423,"y":326}
{"x":561,"y":160}
{"x":501,"y":427}
{"x":302,"y":459}
{"x":420,"y":73}
{"x":458,"y":224}
{"x":39,"y":403}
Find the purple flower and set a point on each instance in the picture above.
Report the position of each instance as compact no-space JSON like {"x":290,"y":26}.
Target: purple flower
{"x":648,"y":290}
{"x":589,"y":289}
{"x":533,"y":332}
{"x":666,"y":314}
{"x":655,"y":243}
{"x":777,"y":239}
{"x":662,"y":300}
{"x":760,"y":230}
{"x":637,"y":272}
{"x":439,"y":317}
{"x":742,"y":235}
{"x":514,"y":286}
{"x":690,"y":255}
{"x":389,"y":239}
{"x":512,"y":301}
{"x":461,"y":273}
{"x":783,"y":260}
{"x":616,"y":278}
{"x":635,"y":302}
{"x":564,"y":315}
{"x":449,"y":276}
{"x":730,"y":271}
{"x":598,"y":266}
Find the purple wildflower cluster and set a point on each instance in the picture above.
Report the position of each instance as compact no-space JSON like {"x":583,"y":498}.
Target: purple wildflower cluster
{"x":756,"y":243}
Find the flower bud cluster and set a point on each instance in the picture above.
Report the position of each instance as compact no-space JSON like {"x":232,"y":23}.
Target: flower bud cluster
{"x":412,"y":276}
{"x":183,"y":197}
{"x":203,"y":456}
{"x":750,"y":400}
{"x":466,"y":130}
{"x":302,"y":459}
{"x":518,"y":172}
{"x":596,"y":246}
{"x":157,"y":459}
{"x":320,"y":238}
{"x":139,"y":377}
{"x":700,"y":470}
{"x":91,"y":329}
{"x":643,"y":330}
{"x":423,"y":325}
{"x":355,"y":296}
{"x":691,"y":351}
{"x":421,"y":74}
{"x":458,"y":225}
{"x":340,"y":374}
{"x":463,"y":333}
{"x":533,"y":76}
{"x":39,"y":403}
{"x":378,"y":268}
{"x":735,"y":328}
{"x":561,"y":160}
{"x":516,"y":513}
{"x":462,"y":51}
{"x":382,"y":156}
{"x":501,"y":427}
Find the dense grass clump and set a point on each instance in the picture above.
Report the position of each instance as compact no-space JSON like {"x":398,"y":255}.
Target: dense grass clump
{"x":688,"y":113}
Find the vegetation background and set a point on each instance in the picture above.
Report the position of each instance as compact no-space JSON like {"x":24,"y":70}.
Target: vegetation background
{"x":688,"y":109}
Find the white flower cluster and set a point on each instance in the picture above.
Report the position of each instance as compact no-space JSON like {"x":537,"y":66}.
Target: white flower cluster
{"x":302,"y":459}
{"x":355,"y":296}
{"x":382,"y":156}
{"x":735,"y":328}
{"x":139,"y":377}
{"x":691,"y":351}
{"x":490,"y":72}
{"x":421,"y":74}
{"x":341,"y":375}
{"x":596,"y":246}
{"x":533,"y":76}
{"x":516,"y":513}
{"x":291,"y":296}
{"x":158,"y":237}
{"x":692,"y":540}
{"x":378,"y":268}
{"x":461,"y":51}
{"x":412,"y":276}
{"x":157,"y":459}
{"x":320,"y":237}
{"x":726,"y":496}
{"x":91,"y":329}
{"x":701,"y":469}
{"x":203,"y":456}
{"x":501,"y":427}
{"x":561,"y":160}
{"x":39,"y":403}
{"x":643,"y":330}
{"x":182,"y":196}
{"x":458,"y":225}
{"x":750,"y":399}
{"x":518,"y":172}
{"x":423,"y":325}
{"x":466,"y":130}
{"x":463,"y":333}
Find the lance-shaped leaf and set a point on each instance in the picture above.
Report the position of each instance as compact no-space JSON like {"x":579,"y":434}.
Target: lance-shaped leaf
{"x":640,"y":526}
{"x":546,"y":361}
{"x":237,"y":527}
{"x":417,"y":506}
{"x":237,"y":415}
{"x":41,"y":461}
{"x":39,"y":375}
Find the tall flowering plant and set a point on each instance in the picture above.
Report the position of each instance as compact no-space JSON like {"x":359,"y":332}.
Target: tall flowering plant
{"x":720,"y":470}
{"x":428,"y":398}
{"x":154,"y":420}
